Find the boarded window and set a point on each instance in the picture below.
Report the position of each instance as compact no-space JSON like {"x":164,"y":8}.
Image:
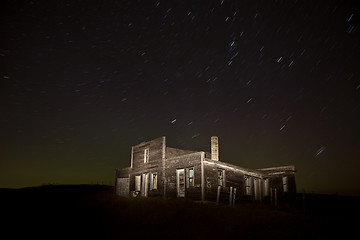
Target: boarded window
{"x":146,"y":155}
{"x":122,"y":186}
{"x":248,"y":186}
{"x":221,"y":177}
{"x":153,"y":181}
{"x":138,"y":183}
{"x":257,"y":189}
{"x":145,"y":184}
{"x":190,"y":177}
{"x":285,"y":184}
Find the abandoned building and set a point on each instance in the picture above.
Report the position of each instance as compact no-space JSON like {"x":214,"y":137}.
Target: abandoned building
{"x":158,"y":170}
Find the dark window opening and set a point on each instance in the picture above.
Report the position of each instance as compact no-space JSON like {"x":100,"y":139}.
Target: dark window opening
{"x":154,"y":180}
{"x":285,"y":184}
{"x":190,"y":177}
{"x":221,"y":178}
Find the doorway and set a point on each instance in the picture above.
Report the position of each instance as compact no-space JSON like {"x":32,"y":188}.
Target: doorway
{"x":145,"y":184}
{"x":180,"y":182}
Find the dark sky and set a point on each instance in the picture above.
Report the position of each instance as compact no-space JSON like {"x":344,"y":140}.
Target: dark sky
{"x":82,"y":81}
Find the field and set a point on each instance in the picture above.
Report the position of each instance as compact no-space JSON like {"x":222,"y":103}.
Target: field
{"x":94,"y":212}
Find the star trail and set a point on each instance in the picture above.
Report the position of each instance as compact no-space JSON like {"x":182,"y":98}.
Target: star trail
{"x":83,"y":81}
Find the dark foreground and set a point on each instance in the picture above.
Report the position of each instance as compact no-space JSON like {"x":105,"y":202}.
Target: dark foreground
{"x":94,"y":212}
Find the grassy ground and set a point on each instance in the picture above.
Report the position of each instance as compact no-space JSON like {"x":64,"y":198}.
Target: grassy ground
{"x":93,"y":211}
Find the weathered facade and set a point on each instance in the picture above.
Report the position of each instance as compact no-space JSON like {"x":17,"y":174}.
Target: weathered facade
{"x":158,"y":170}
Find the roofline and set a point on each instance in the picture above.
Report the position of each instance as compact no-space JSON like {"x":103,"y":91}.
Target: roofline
{"x":234,"y":167}
{"x":144,"y":143}
{"x":281,"y":168}
{"x":261,"y":172}
{"x":194,"y":153}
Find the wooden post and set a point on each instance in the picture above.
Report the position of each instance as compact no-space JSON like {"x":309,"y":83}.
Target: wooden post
{"x":218,"y":195}
{"x":202,"y":177}
{"x":275,"y":197}
{"x":230,"y":197}
{"x":271,"y":196}
{"x":164,"y":187}
{"x":163,"y":173}
{"x":234,"y":197}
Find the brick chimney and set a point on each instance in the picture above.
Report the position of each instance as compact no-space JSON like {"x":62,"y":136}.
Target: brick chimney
{"x":214,"y":148}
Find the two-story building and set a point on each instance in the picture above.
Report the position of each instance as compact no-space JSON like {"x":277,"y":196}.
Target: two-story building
{"x":158,"y":170}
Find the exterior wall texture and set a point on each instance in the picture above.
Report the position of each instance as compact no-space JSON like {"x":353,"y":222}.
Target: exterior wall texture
{"x":230,"y":178}
{"x":186,"y":162}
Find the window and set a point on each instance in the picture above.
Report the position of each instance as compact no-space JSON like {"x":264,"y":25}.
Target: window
{"x":146,"y":155}
{"x":266,"y":187}
{"x":285,"y":184}
{"x":257,"y":189}
{"x":153,"y":181}
{"x":145,"y":184}
{"x":248,"y":186}
{"x":138,"y":183}
{"x":221,"y":178}
{"x":190,"y":182}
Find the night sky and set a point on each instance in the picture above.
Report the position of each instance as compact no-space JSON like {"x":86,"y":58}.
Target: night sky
{"x":82,"y":81}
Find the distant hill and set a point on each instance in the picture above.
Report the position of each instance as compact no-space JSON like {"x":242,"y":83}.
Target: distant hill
{"x":95,"y":212}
